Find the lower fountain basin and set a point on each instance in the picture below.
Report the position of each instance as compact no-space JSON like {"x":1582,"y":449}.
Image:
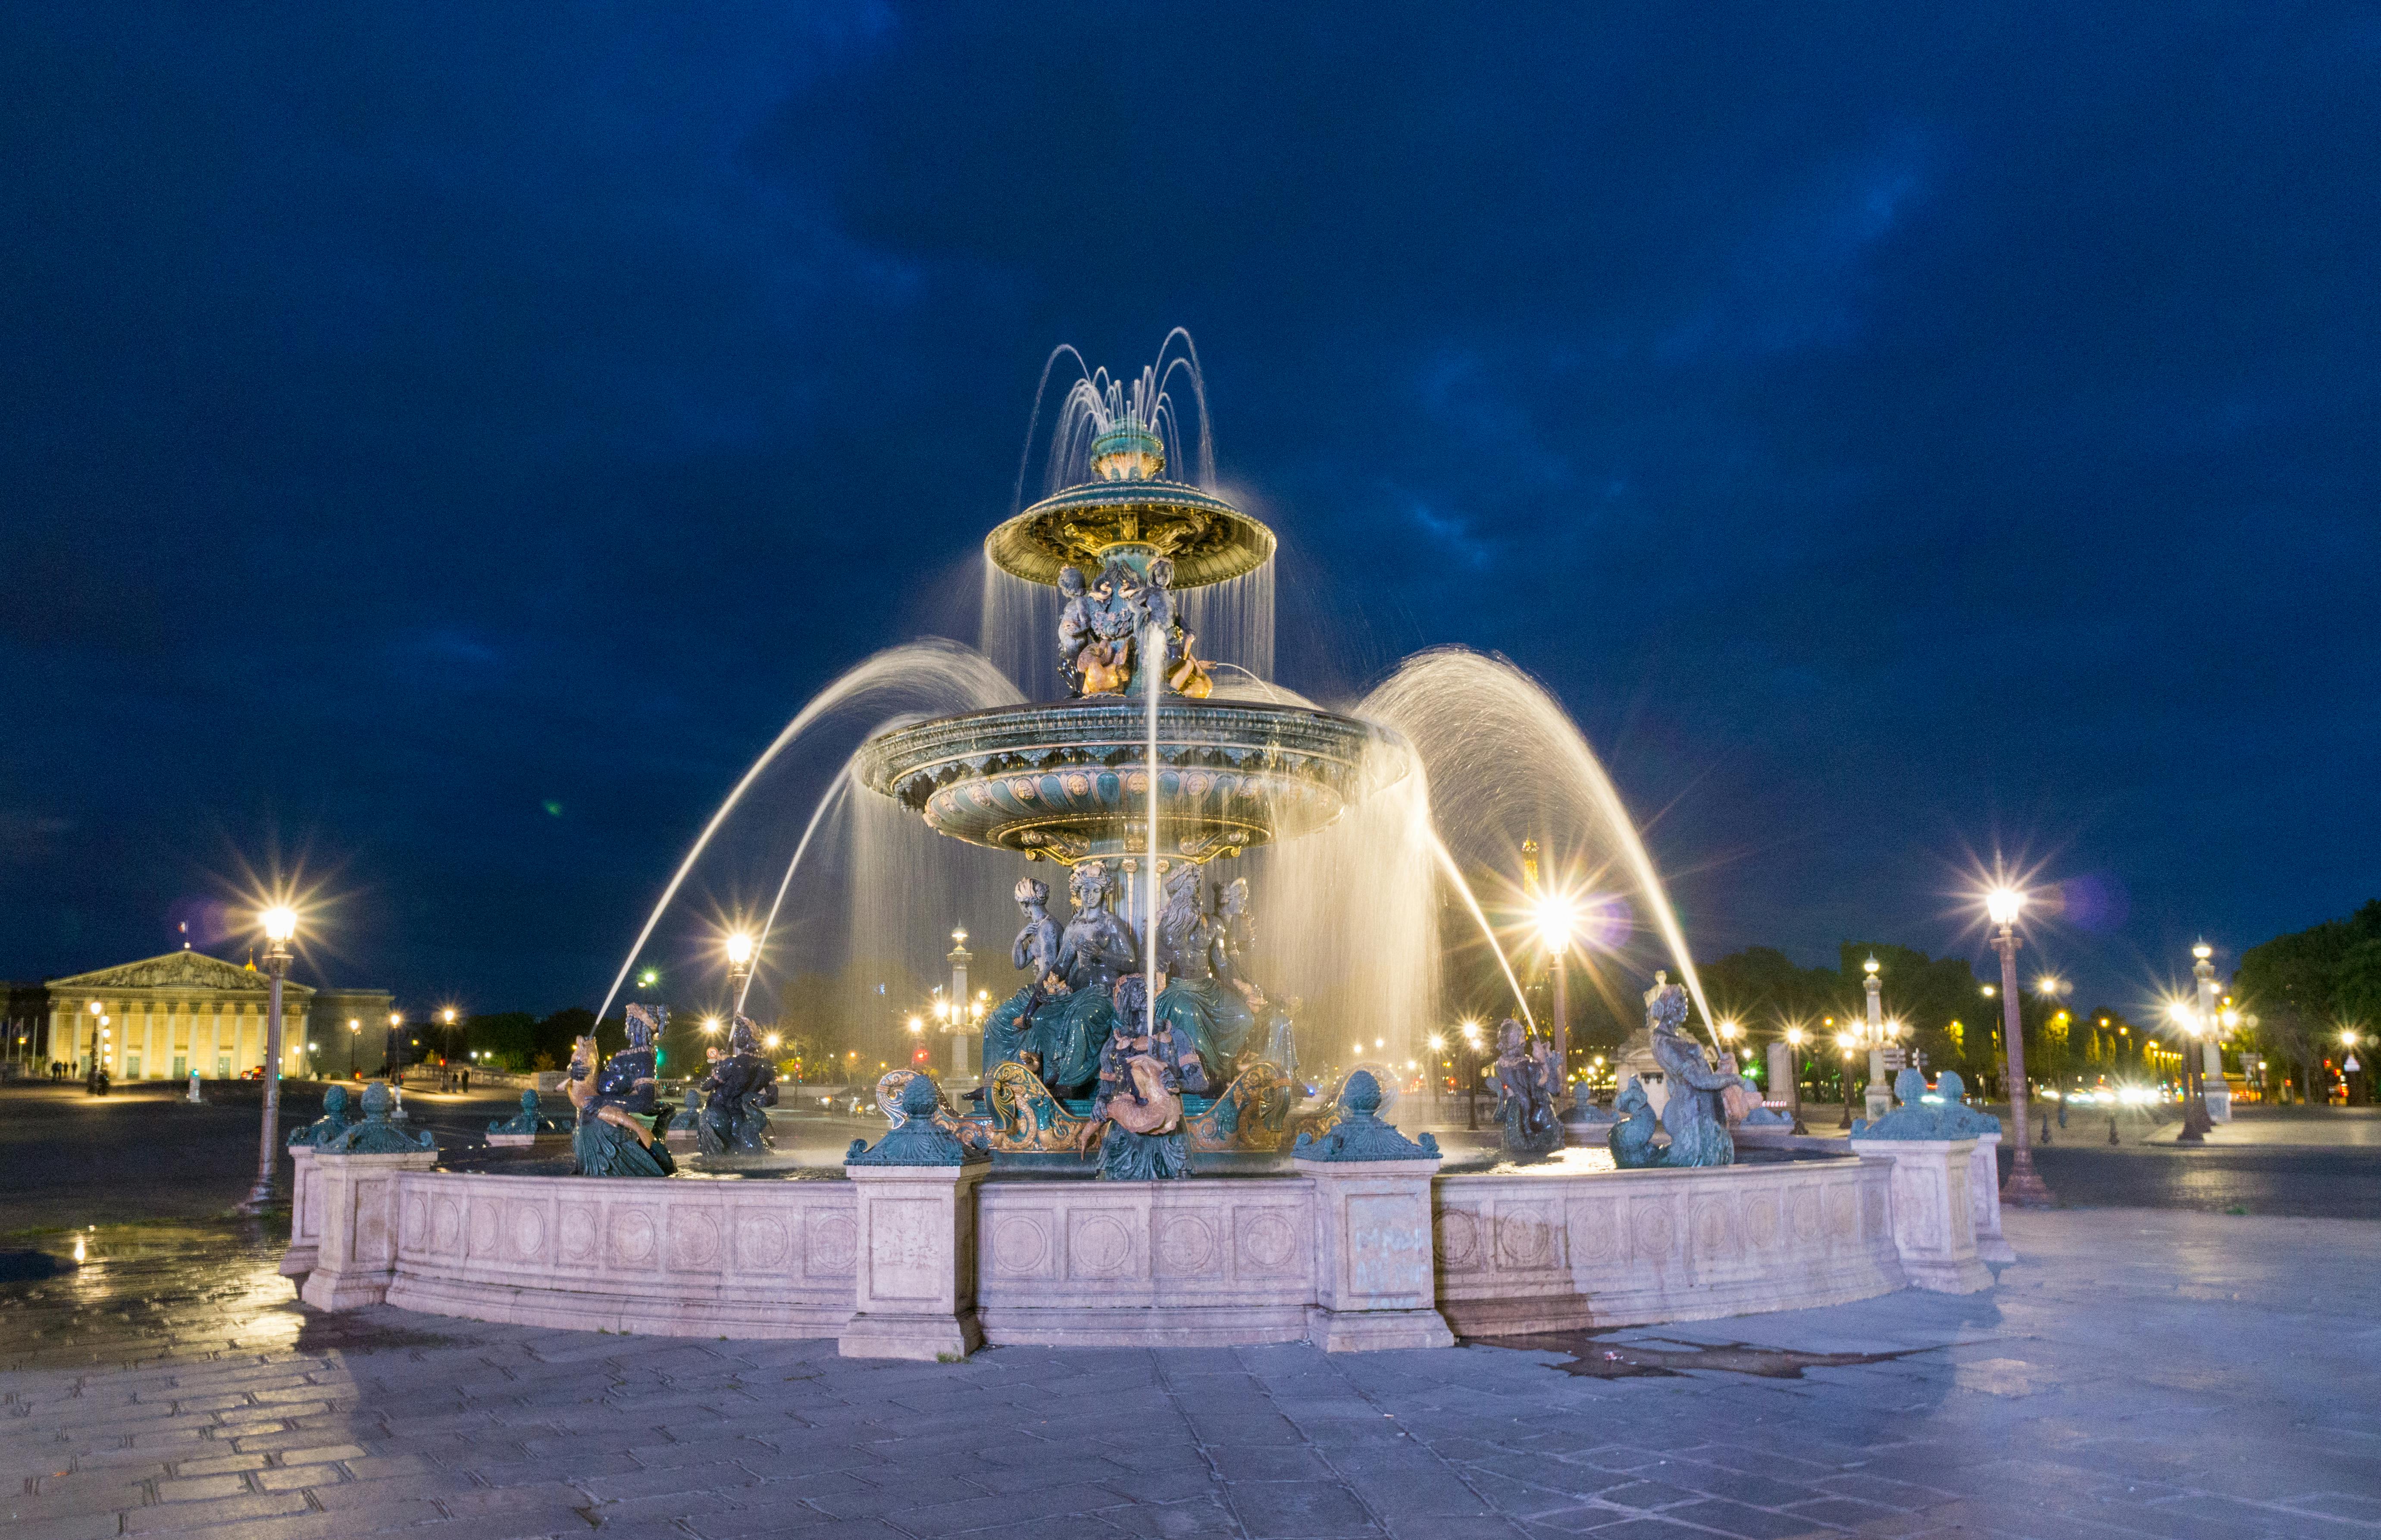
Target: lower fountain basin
{"x":1070,"y":780}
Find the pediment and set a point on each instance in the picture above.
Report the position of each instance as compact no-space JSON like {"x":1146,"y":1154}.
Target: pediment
{"x":177,"y":970}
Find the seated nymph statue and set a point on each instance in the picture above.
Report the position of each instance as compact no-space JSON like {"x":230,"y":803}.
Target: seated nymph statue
{"x":611,"y":1138}
{"x":738,"y":1088}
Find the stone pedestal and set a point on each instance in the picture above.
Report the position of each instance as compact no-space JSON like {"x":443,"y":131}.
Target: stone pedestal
{"x":1933,"y":1219}
{"x":915,"y":1293}
{"x":1375,"y":1281}
{"x":1985,"y":1200}
{"x":357,"y":1255}
{"x":2219,"y":1094}
{"x":305,"y":1214}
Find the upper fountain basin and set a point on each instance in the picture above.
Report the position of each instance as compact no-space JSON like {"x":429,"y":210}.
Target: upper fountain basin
{"x":1070,"y":780}
{"x":1207,"y":539}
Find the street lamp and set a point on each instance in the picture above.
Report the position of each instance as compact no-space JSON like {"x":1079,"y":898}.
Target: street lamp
{"x":1470,"y":1029}
{"x":2215,"y":1097}
{"x":740,"y":948}
{"x":355,"y":1029}
{"x":1794,"y":1038}
{"x":2023,"y":1188}
{"x":280,"y":925}
{"x":1557,"y":918}
{"x":1880,"y":1095}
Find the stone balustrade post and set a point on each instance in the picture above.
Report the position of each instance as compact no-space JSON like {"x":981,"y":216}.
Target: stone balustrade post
{"x":1375,"y":1274}
{"x":305,"y":1214}
{"x":356,"y":1257}
{"x":1985,"y":1197}
{"x":1376,"y":1266}
{"x":913,"y":1295}
{"x":1933,"y":1221}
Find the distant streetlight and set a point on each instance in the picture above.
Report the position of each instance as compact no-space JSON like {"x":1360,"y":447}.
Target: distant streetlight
{"x":740,"y":948}
{"x":280,"y":925}
{"x":1557,"y":917}
{"x":2023,"y":1188}
{"x":355,"y":1030}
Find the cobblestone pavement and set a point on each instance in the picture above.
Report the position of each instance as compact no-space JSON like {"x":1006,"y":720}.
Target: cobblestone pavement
{"x":2138,"y":1374}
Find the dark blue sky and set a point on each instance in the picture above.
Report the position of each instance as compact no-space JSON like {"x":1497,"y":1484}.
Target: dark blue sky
{"x":1892,"y":431}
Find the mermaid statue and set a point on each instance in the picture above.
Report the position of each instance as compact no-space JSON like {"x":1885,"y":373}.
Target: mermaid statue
{"x":1694,"y":1115}
{"x":1199,"y":1002}
{"x":611,"y":1138}
{"x":1525,"y":1095}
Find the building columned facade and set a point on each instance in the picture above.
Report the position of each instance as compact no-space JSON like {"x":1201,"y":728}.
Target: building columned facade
{"x":163,"y":1017}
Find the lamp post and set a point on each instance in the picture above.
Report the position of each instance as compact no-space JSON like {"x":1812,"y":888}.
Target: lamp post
{"x":740,"y":948}
{"x":1880,"y":1095}
{"x":355,"y":1030}
{"x":392,"y":1054}
{"x":1555,"y":920}
{"x":1471,"y":1031}
{"x":1847,"y":1046}
{"x":2215,"y":1096}
{"x":90,"y":1063}
{"x":2023,"y":1188}
{"x":280,"y":925}
{"x":1794,"y":1036}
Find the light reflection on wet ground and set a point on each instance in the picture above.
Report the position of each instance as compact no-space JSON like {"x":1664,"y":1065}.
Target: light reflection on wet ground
{"x":128,"y":1294}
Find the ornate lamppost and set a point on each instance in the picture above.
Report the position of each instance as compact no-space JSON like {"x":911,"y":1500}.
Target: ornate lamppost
{"x":2023,"y":1188}
{"x":280,"y":925}
{"x":1470,"y":1029}
{"x":1880,"y":1095}
{"x":742,"y":950}
{"x":1556,"y":919}
{"x":355,"y":1030}
{"x":1794,"y":1038}
{"x":392,"y":1054}
{"x":2215,"y":1096}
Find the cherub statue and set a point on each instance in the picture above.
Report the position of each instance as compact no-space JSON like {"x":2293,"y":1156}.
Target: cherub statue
{"x":1525,"y":1095}
{"x":611,"y":1138}
{"x":1074,"y":627}
{"x":1104,"y":664}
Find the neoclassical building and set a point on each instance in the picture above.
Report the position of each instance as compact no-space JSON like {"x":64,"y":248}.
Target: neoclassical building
{"x":163,"y":1017}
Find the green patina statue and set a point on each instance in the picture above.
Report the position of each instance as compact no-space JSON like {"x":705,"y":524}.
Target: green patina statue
{"x":333,"y":1122}
{"x":529,"y":1120}
{"x":376,"y":1134}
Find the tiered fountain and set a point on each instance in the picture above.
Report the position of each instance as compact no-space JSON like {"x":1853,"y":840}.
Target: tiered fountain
{"x":1136,"y":783}
{"x":1151,"y":771}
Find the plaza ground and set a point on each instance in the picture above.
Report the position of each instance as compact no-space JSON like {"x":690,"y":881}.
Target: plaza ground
{"x":2141,"y":1371}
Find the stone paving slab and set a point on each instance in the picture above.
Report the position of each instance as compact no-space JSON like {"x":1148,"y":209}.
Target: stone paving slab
{"x":2136,"y":1374}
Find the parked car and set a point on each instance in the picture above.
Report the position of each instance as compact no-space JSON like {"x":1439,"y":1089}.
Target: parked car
{"x":254,"y":1074}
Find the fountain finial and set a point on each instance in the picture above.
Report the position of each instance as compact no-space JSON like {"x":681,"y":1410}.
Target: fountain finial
{"x":1126,"y":451}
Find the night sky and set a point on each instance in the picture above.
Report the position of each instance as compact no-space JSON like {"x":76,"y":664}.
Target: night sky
{"x":439,"y":447}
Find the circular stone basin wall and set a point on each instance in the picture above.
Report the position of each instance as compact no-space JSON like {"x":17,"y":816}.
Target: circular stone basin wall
{"x":1069,"y":779}
{"x":1207,"y":1261}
